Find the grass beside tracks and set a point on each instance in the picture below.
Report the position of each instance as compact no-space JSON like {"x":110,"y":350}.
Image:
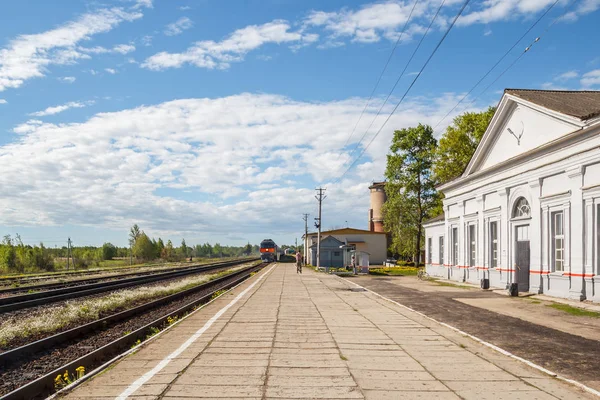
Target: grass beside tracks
{"x":52,"y":319}
{"x":579,"y":312}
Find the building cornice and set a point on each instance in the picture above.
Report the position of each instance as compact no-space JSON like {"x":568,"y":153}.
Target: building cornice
{"x":536,"y":153}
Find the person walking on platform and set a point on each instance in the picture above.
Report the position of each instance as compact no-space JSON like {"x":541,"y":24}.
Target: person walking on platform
{"x":298,"y":263}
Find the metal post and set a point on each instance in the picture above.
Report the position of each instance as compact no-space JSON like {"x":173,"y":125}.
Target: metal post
{"x":305,"y":218}
{"x":68,"y":252}
{"x":320,"y":197}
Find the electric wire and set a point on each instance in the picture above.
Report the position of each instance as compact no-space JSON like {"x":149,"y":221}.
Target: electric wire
{"x":408,"y":89}
{"x":497,"y":62}
{"x":537,"y":39}
{"x":381,"y":75}
{"x":355,"y":149}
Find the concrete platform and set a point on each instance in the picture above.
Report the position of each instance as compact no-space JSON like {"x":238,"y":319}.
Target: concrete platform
{"x":289,"y":336}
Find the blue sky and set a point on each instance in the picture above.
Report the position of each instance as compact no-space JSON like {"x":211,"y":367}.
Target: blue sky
{"x":215,"y":120}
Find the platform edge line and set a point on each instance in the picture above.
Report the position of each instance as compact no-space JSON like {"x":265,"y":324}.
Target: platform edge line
{"x":165,"y":361}
{"x":107,"y":364}
{"x":487,"y":344}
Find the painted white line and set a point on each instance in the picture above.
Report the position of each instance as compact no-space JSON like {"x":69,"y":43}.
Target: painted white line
{"x":165,"y":361}
{"x":488,"y":344}
{"x":96,"y":371}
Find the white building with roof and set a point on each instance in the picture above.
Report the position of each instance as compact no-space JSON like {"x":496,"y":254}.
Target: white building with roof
{"x":526,"y":210}
{"x":360,"y":240}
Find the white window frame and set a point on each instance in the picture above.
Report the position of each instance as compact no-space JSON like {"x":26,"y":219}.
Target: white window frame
{"x":441,"y":249}
{"x":429,"y":250}
{"x":455,"y":243}
{"x":551,"y":204}
{"x":494,"y":243}
{"x":591,"y":239}
{"x":554,"y":259}
{"x":472,"y":244}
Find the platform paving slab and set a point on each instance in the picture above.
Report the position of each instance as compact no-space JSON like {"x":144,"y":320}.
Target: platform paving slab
{"x":309,"y":336}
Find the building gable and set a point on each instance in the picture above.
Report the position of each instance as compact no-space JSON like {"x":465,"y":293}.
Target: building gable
{"x":518,"y":127}
{"x":329,"y":241}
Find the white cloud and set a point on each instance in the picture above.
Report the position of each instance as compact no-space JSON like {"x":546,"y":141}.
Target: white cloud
{"x":552,"y":86}
{"x":120,"y":48}
{"x":67,"y":79}
{"x":63,"y":107}
{"x":503,"y":10}
{"x":368,"y":24}
{"x":567,"y":76}
{"x":110,"y":71}
{"x":2,"y":101}
{"x":266,"y":151}
{"x":185,"y":8}
{"x":147,"y":40}
{"x":210,"y":54}
{"x":178,"y":26}
{"x":591,"y":78}
{"x":29,"y":56}
{"x":124,"y":48}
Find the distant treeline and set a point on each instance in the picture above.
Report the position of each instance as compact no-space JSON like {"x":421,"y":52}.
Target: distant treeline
{"x":18,"y":257}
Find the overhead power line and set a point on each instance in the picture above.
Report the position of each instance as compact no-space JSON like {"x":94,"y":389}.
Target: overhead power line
{"x":355,"y":149}
{"x":497,"y":62}
{"x":537,"y":39}
{"x":410,"y":87}
{"x":382,"y":72}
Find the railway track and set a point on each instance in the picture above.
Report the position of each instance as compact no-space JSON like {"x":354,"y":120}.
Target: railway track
{"x":28,"y":372}
{"x":50,"y":293}
{"x":24,"y":282}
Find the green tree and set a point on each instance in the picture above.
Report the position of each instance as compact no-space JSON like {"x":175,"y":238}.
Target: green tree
{"x":143,"y":248}
{"x":168,"y":252}
{"x":248,"y":249}
{"x":458,"y":144}
{"x":159,"y":247}
{"x":183,"y":249}
{"x":134,"y":234}
{"x":410,"y":189}
{"x":8,"y":255}
{"x":217,"y":250}
{"x":109,"y":251}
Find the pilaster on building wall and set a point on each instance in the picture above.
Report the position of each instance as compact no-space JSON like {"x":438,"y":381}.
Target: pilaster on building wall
{"x":542,"y":192}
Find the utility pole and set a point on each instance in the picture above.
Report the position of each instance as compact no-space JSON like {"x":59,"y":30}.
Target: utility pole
{"x":305,"y":218}
{"x":320,"y":197}
{"x":69,"y":254}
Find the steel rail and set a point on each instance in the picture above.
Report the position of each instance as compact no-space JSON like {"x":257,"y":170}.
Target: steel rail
{"x":13,"y":303}
{"x":75,"y":282}
{"x":45,"y":384}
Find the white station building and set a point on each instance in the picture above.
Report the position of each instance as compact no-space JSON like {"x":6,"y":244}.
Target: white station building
{"x":526,"y":210}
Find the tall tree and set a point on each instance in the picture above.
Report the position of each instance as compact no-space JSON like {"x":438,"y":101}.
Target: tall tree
{"x":168,"y":252}
{"x":159,"y":247}
{"x":410,"y":189}
{"x":143,"y":248}
{"x":134,"y":234}
{"x":183,"y":249}
{"x":458,"y":144}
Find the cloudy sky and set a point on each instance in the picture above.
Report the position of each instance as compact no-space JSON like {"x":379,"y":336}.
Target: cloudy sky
{"x":215,"y":120}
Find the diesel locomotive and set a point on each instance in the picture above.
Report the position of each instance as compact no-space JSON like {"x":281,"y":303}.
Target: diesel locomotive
{"x":269,"y":252}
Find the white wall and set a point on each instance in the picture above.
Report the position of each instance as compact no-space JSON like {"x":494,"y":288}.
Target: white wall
{"x":537,"y":129}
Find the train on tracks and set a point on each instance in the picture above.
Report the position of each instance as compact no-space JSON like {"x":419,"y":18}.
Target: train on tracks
{"x":269,"y":251}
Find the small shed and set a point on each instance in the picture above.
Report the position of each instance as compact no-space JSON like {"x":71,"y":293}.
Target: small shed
{"x":331,"y":253}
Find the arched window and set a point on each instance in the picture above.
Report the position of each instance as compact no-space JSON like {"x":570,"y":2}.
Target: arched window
{"x":521,"y":208}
